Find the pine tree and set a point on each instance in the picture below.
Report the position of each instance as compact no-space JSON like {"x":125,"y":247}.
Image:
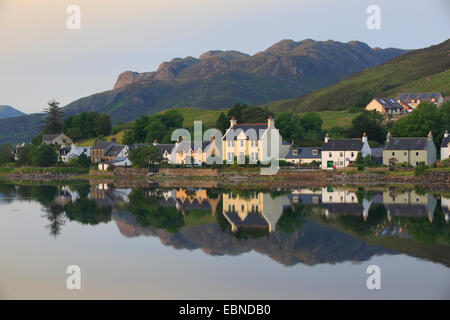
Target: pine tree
{"x":53,"y":124}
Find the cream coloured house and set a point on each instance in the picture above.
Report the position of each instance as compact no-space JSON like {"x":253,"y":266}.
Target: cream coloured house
{"x":193,"y":152}
{"x":386,"y":106}
{"x":409,"y":150}
{"x":341,"y":153}
{"x":253,"y":141}
{"x":413,"y":99}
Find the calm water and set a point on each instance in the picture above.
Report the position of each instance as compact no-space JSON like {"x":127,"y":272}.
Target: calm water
{"x":222,"y":244}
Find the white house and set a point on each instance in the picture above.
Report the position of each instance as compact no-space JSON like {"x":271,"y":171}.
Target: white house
{"x":75,"y":152}
{"x":116,"y":162}
{"x":340,"y":153}
{"x":445,"y":147}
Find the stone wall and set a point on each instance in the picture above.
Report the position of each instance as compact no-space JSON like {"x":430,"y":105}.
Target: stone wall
{"x":188,"y":172}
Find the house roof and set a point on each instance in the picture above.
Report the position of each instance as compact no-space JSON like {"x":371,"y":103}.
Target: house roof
{"x":389,"y":103}
{"x":102,"y":144}
{"x":255,"y":130}
{"x":49,"y":137}
{"x":64,"y":151}
{"x":114,"y":150}
{"x":377,"y":152}
{"x":252,"y":220}
{"x":191,"y":145}
{"x":423,"y":96}
{"x":343,"y":145}
{"x":117,"y":160}
{"x":445,"y":142}
{"x":406,"y":144}
{"x":304,"y":153}
{"x":162,"y":148}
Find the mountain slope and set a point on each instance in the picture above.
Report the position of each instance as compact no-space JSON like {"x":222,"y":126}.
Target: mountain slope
{"x":421,"y":70}
{"x":9,"y":112}
{"x":219,"y":79}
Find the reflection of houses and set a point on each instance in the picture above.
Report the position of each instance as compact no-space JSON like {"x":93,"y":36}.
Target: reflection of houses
{"x":445,"y":204}
{"x":341,"y":201}
{"x":185,"y":200}
{"x":257,"y":210}
{"x":65,"y":196}
{"x":409,"y":204}
{"x":106,"y":197}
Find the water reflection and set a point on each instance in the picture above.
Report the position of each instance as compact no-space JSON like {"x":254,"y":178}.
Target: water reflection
{"x":310,"y":226}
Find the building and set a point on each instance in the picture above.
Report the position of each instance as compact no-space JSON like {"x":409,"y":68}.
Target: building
{"x":116,"y":162}
{"x":409,"y":150}
{"x":377,"y":155}
{"x":445,"y":146}
{"x":73,"y":152}
{"x":412,"y":99}
{"x":252,"y":141}
{"x":59,"y":138}
{"x":386,"y":106}
{"x":341,"y":153}
{"x":304,"y":155}
{"x":193,"y":152}
{"x":104,"y":151}
{"x":62,"y":153}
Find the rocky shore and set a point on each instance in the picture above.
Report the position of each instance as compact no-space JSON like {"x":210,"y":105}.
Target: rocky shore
{"x":130,"y":177}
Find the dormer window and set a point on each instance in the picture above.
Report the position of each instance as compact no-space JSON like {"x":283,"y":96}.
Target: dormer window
{"x":295,"y":152}
{"x":315,"y":152}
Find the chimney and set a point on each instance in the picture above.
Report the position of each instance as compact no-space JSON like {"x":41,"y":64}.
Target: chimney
{"x":327,"y":138}
{"x":155,"y":142}
{"x":270,"y":122}
{"x":446,"y":134}
{"x":233,"y":122}
{"x":430,"y":136}
{"x":388,"y":137}
{"x":364,"y":137}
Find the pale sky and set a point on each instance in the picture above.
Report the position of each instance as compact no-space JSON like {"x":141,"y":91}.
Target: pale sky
{"x":40,"y":59}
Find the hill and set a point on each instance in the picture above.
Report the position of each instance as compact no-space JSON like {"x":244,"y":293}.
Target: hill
{"x":421,"y":70}
{"x":9,"y":112}
{"x":218,"y":79}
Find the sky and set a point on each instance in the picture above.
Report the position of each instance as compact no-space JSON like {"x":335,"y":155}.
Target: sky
{"x":41,"y":59}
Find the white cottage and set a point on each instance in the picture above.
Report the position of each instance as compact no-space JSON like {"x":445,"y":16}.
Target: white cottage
{"x":341,"y":153}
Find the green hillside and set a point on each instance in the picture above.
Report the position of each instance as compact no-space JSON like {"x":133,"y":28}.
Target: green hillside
{"x":421,"y":70}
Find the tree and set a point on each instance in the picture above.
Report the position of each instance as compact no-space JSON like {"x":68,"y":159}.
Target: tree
{"x":370,"y":122}
{"x":25,"y":155}
{"x":53,"y":123}
{"x":156,"y":130}
{"x":103,"y":125}
{"x":6,"y":153}
{"x":144,"y":156}
{"x":81,"y":162}
{"x":427,"y":116}
{"x":222,"y":123}
{"x":172,"y":119}
{"x":44,"y":156}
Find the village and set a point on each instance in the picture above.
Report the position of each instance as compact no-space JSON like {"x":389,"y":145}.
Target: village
{"x":249,"y":143}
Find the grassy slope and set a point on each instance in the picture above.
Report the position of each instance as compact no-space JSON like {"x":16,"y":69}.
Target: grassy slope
{"x":421,"y":70}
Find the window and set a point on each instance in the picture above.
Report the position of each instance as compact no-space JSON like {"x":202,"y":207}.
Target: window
{"x":315,"y":152}
{"x":353,"y":154}
{"x":417,"y":154}
{"x":393,"y":153}
{"x":242,"y":207}
{"x":295,"y":152}
{"x":404,"y":154}
{"x":341,"y":154}
{"x":242,"y":143}
{"x":330,"y":154}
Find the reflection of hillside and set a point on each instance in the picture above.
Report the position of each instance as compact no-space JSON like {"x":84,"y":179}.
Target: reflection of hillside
{"x":312,"y":244}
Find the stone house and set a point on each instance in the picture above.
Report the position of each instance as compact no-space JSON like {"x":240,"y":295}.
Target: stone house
{"x":409,"y":150}
{"x":59,"y":138}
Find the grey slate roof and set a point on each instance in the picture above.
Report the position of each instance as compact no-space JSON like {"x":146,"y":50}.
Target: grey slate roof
{"x":377,"y":152}
{"x":252,"y":220}
{"x":343,"y":145}
{"x":406,"y":144}
{"x":251,"y":131}
{"x":445,"y":142}
{"x":389,"y":103}
{"x":405,"y":97}
{"x":193,"y":144}
{"x":114,"y":151}
{"x":162,"y":148}
{"x":49,"y":137}
{"x":102,"y":145}
{"x":304,"y":153}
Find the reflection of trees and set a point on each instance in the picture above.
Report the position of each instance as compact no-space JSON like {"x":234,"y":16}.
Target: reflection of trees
{"x":251,"y":233}
{"x":291,"y":220}
{"x":88,"y":211}
{"x":377,"y":214}
{"x":149,"y":213}
{"x":420,"y":229}
{"x":54,"y":214}
{"x":42,"y":194}
{"x":8,"y":191}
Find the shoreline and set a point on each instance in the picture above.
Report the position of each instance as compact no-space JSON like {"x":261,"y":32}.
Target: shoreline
{"x":212,"y":178}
